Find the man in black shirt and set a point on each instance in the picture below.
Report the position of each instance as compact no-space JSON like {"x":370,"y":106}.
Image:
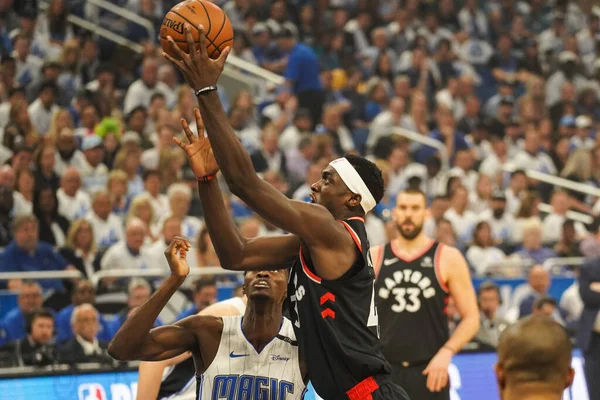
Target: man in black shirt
{"x":37,"y":348}
{"x":6,"y":205}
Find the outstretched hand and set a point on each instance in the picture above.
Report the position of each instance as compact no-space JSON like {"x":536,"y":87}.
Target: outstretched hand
{"x":175,"y":254}
{"x":199,"y":69}
{"x":199,"y":151}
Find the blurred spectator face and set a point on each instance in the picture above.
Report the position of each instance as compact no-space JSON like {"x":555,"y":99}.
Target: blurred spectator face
{"x":180,"y":204}
{"x":27,"y":25}
{"x":86,"y":324}
{"x":42,"y":330}
{"x":568,"y":233}
{"x":152,"y":185}
{"x":562,"y":148}
{"x":138,"y":296}
{"x":560,"y":203}
{"x":438,"y":207}
{"x":303,"y":124}
{"x":47,"y":97}
{"x":118,"y":188}
{"x":237,"y":118}
{"x":7,"y":176}
{"x":94,"y":156}
{"x":149,"y":73}
{"x":340,"y":17}
{"x":102,"y":205}
{"x":205,"y":297}
{"x":21,"y":160}
{"x":89,"y":50}
{"x":135,"y":234}
{"x":331,"y":119}
{"x":147,"y":7}
{"x":472,"y":106}
{"x":431,"y":22}
{"x":397,"y":106}
{"x":531,"y":143}
{"x":17,"y":98}
{"x":532,"y":238}
{"x":84,"y":237}
{"x":30,"y":297}
{"x":498,"y":207}
{"x":158,"y":103}
{"x":89,"y":117}
{"x":307,"y":14}
{"x":137,"y":121}
{"x":66,"y":141}
{"x":409,"y":214}
{"x":261,"y":39}
{"x":167,"y":75}
{"x":250,"y":228}
{"x":70,"y":182}
{"x":144,"y":212}
{"x":418,"y":58}
{"x":278,"y":11}
{"x":397,"y":158}
{"x":326,"y":79}
{"x":567,"y":92}
{"x":489,"y":301}
{"x":402,"y":88}
{"x":309,"y":150}
{"x":21,"y":47}
{"x":505,"y":110}
{"x":47,"y":159}
{"x":504,"y":44}
{"x":106,"y":79}
{"x":518,"y":182}
{"x":26,"y":182}
{"x":460,"y":198}
{"x":47,"y":201}
{"x":286,"y":44}
{"x":171,"y":228}
{"x":277,"y":181}
{"x":464,"y":160}
{"x":84,"y":293}
{"x":379,"y":38}
{"x":484,"y":187}
{"x":6,"y":200}
{"x":26,"y":236}
{"x":445,"y":233}
{"x":483,"y":234}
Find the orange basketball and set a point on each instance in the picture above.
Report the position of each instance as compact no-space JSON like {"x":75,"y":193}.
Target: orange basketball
{"x":217,"y":27}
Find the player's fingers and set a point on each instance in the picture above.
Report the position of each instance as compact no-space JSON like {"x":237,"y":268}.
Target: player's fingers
{"x":179,"y":143}
{"x":177,"y":63}
{"x":439,"y":382}
{"x":430,"y":381}
{"x":180,"y":53}
{"x":444,"y":382}
{"x":199,"y":123}
{"x":188,"y":132}
{"x":202,"y":42}
{"x":192,"y":50}
{"x":223,"y":57}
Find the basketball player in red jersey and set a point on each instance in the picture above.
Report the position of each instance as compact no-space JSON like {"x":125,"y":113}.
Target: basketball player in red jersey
{"x":415,"y":276}
{"x":331,"y":281}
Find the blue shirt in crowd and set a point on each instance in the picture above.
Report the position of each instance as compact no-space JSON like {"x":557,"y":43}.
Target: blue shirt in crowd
{"x":12,"y":326}
{"x":303,"y":69}
{"x":191,"y":310}
{"x":44,"y":258}
{"x":62,"y":323}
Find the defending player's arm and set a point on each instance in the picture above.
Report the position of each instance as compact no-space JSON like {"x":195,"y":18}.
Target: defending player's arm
{"x":458,"y":279}
{"x":136,"y":340}
{"x":296,"y":217}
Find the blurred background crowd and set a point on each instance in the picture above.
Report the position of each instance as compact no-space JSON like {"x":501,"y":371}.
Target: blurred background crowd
{"x":90,"y":179}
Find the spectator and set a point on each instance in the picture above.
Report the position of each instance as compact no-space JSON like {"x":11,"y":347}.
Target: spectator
{"x":150,"y":158}
{"x":269,"y":157}
{"x":66,"y":153}
{"x":44,"y":172}
{"x":43,"y":109}
{"x":73,"y":201}
{"x":142,"y":208}
{"x":36,"y":349}
{"x":516,"y":191}
{"x":480,"y":198}
{"x":445,"y":133}
{"x":107,"y":227}
{"x":52,"y":226}
{"x":180,"y":197}
{"x":332,"y":125}
{"x":531,"y":157}
{"x":205,"y":294}
{"x":383,"y":124}
{"x":205,"y":252}
{"x":23,"y":194}
{"x":12,"y":326}
{"x":298,"y":159}
{"x":128,"y":161}
{"x":532,"y":244}
{"x":84,"y":293}
{"x":140,"y":92}
{"x":590,"y":246}
{"x":93,"y":172}
{"x":6,"y":206}
{"x":501,"y":222}
{"x":80,"y":248}
{"x":160,"y":202}
{"x":290,"y":138}
{"x":482,"y":255}
{"x":539,"y":282}
{"x":553,"y":223}
{"x":462,"y":220}
{"x":492,"y":324}
{"x":445,"y":233}
{"x":86,"y":346}
{"x":438,"y":207}
{"x":117,"y":190}
{"x":548,"y":307}
{"x":127,"y":253}
{"x":571,"y":303}
{"x":27,"y":253}
{"x":170,"y":229}
{"x":568,"y":245}
{"x":138,"y":292}
{"x":302,"y":72}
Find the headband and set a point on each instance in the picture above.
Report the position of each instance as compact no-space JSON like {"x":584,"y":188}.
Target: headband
{"x":354,"y":182}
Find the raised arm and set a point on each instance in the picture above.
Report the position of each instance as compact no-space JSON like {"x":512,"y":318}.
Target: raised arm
{"x":136,"y":340}
{"x":296,"y":217}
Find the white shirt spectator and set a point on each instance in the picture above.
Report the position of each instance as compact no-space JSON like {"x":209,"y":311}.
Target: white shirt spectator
{"x":190,"y":226}
{"x":139,"y":94}
{"x":156,"y":254}
{"x":160,"y":205}
{"x":119,"y":256}
{"x":4,"y":113}
{"x":571,"y":302}
{"x":482,"y":150}
{"x":106,"y":233}
{"x":21,"y":206}
{"x":576,"y":143}
{"x":28,"y":70}
{"x":552,"y":228}
{"x":491,"y":165}
{"x":468,"y":178}
{"x":468,"y":21}
{"x":383,"y":124}
{"x":94,"y":179}
{"x":41,"y":117}
{"x":477,"y":204}
{"x":74,"y":207}
{"x":513,"y":202}
{"x":540,"y":162}
{"x":481,"y":258}
{"x":289,"y":138}
{"x":502,"y":229}
{"x":78,"y":162}
{"x":463,"y":225}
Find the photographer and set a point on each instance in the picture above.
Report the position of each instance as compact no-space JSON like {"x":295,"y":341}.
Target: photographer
{"x":37,"y":348}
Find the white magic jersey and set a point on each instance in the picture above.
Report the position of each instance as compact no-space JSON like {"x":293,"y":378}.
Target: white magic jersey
{"x":179,"y":381}
{"x":238,"y":372}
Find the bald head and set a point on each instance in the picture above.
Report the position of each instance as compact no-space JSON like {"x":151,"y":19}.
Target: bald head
{"x":70,"y":181}
{"x":135,"y":232}
{"x":534,"y":357}
{"x":539,"y":279}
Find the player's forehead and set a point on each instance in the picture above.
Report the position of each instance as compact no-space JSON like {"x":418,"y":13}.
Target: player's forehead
{"x":405,"y":199}
{"x":330,"y":173}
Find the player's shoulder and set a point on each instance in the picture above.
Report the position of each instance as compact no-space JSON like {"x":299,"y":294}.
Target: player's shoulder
{"x":202,"y":323}
{"x":448,"y":252}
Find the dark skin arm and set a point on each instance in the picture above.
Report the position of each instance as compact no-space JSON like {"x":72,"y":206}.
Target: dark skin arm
{"x":136,"y":340}
{"x":330,"y":246}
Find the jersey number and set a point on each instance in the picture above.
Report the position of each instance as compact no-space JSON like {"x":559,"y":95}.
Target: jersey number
{"x":412,"y":305}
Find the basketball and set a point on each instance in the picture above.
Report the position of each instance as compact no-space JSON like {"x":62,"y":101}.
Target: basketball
{"x":217,"y":27}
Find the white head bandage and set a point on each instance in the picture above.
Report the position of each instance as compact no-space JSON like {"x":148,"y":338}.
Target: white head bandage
{"x":354,"y":182}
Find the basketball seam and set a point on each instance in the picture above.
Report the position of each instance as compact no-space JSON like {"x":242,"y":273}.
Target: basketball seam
{"x":218,"y":33}
{"x":189,"y":22}
{"x":224,"y":41}
{"x":207,"y":17}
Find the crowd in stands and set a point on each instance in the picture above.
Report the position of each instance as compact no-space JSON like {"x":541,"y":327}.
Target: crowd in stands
{"x":90,"y":179}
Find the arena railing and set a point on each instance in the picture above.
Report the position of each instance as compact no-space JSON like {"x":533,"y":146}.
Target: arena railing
{"x":427,"y":141}
{"x":34,"y":275}
{"x":155,"y":273}
{"x":572,"y":215}
{"x":557,"y":181}
{"x":125,"y":14}
{"x":100,"y":31}
{"x":553,"y":263}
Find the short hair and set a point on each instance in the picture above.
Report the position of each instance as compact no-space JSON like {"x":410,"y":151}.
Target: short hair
{"x":179,"y":188}
{"x":82,"y":307}
{"x":535,"y":349}
{"x":22,"y":220}
{"x":157,"y":95}
{"x":49,"y":84}
{"x":204,"y":282}
{"x":137,"y":283}
{"x":518,"y":172}
{"x":542,"y":301}
{"x":415,"y":191}
{"x":149,"y":173}
{"x":40,"y":313}
{"x":488,"y":286}
{"x":369,"y":173}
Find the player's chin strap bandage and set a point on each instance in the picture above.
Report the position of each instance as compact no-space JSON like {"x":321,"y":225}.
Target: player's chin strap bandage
{"x":354,"y":182}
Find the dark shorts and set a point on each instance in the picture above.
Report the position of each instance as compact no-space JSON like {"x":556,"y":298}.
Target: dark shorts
{"x":415,"y":383}
{"x":391,"y":391}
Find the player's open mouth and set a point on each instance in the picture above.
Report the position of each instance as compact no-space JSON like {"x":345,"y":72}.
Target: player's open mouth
{"x":313,"y":199}
{"x":261,"y":284}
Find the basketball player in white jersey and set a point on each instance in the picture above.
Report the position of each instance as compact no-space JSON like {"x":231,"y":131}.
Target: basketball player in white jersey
{"x":175,"y":378}
{"x":251,"y":356}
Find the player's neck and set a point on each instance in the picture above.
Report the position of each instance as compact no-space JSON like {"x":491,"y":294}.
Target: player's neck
{"x":262,"y":322}
{"x":531,"y":392}
{"x":410,"y":246}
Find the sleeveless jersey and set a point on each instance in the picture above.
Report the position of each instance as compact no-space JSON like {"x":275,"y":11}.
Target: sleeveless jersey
{"x":240,"y":372}
{"x":336,"y":321}
{"x":179,"y":381}
{"x":411,"y":302}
